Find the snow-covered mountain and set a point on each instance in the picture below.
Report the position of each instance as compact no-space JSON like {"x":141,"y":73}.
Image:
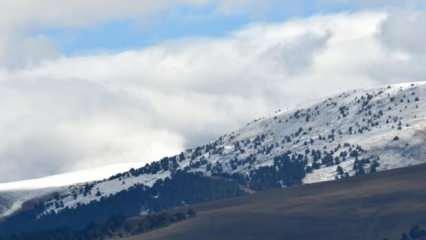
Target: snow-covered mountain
{"x":354,"y":133}
{"x":14,"y":194}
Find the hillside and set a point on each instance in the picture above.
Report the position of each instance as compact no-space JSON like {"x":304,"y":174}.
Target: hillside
{"x":377,"y":127}
{"x":355,"y":133}
{"x":374,"y":207}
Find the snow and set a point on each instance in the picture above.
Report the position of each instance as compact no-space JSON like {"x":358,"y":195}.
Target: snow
{"x":377,"y":116}
{"x":105,"y":189}
{"x":67,"y":179}
{"x":13,"y":201}
{"x":22,"y":191}
{"x":15,"y":207}
{"x":326,"y":174}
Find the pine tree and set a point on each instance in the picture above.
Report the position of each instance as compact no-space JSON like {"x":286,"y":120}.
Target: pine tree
{"x":339,"y":171}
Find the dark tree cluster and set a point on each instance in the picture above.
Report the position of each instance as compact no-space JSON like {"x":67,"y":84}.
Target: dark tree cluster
{"x":182,"y":189}
{"x":113,"y":227}
{"x":415,"y":233}
{"x":287,"y":170}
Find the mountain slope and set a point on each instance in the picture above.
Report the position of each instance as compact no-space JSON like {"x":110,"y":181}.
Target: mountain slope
{"x":354,"y":133}
{"x":14,"y":194}
{"x":358,"y":124}
{"x":375,"y":207}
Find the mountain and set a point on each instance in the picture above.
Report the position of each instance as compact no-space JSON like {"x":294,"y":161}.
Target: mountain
{"x":372,"y":207}
{"x":355,"y":133}
{"x":14,"y":194}
{"x":12,"y":201}
{"x":6,"y":203}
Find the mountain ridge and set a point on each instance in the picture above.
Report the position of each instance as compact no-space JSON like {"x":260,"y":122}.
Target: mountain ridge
{"x":353,"y":133}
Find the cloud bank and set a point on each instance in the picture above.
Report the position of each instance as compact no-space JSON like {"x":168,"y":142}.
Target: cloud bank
{"x":70,"y":113}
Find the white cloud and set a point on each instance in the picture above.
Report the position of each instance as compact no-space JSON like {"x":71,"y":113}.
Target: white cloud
{"x":378,"y":3}
{"x":401,"y":37}
{"x":18,"y":51}
{"x":52,"y":126}
{"x":78,"y":13}
{"x":76,"y":112}
{"x":20,"y":18}
{"x":403,"y":31}
{"x":243,"y":6}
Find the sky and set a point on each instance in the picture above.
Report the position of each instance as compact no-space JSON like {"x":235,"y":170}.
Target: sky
{"x":87,"y":84}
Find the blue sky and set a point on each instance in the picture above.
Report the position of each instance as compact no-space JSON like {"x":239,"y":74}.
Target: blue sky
{"x":128,"y":34}
{"x":183,"y":22}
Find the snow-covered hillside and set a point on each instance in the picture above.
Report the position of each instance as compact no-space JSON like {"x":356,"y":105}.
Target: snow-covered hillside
{"x":14,"y":194}
{"x":354,"y":133}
